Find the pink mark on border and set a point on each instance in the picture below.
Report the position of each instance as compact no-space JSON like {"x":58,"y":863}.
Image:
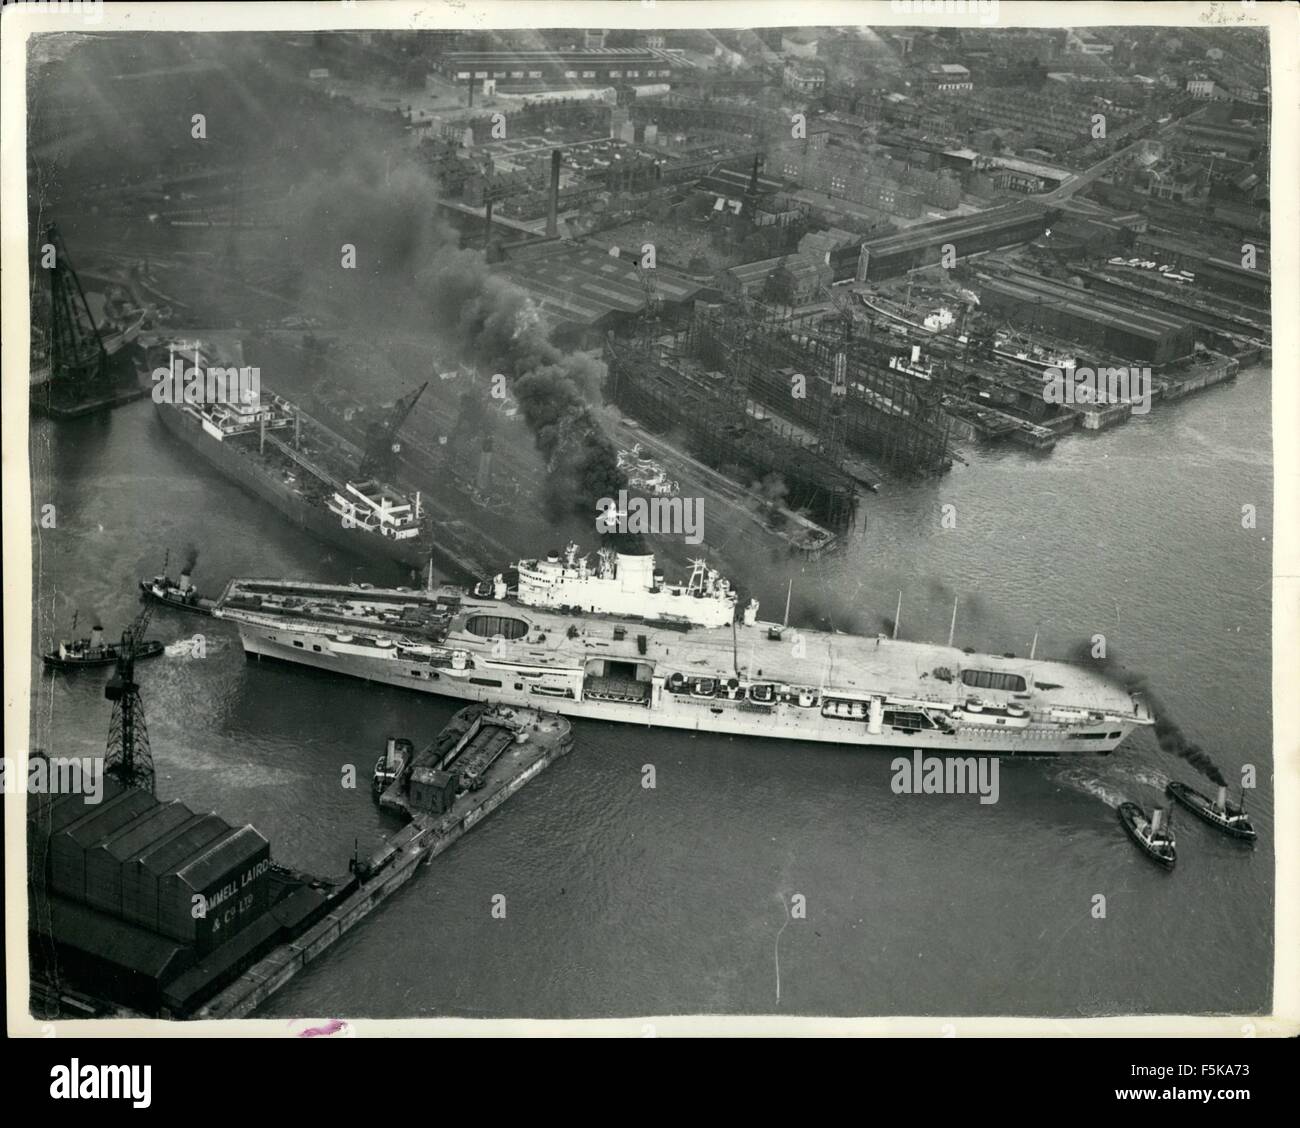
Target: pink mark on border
{"x":332,"y":1027}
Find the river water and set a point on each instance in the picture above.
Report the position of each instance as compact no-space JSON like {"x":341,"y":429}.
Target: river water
{"x":622,"y":900}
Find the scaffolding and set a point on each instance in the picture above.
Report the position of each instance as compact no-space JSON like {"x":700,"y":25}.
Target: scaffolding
{"x":722,"y":426}
{"x":754,"y":388}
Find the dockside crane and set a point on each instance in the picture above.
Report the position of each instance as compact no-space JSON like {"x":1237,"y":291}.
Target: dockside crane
{"x":77,"y":352}
{"x":127,"y":757}
{"x":382,"y":444}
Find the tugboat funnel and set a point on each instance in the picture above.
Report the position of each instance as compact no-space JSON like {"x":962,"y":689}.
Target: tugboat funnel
{"x":185,"y":581}
{"x":1157,"y":819}
{"x":1221,"y":803}
{"x":96,"y":635}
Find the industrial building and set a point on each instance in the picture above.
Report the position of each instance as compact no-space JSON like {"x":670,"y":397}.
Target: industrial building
{"x":151,"y":902}
{"x":584,"y":290}
{"x":524,"y":71}
{"x":885,"y":256}
{"x":792,"y":279}
{"x":1031,"y":302}
{"x":1213,"y":272}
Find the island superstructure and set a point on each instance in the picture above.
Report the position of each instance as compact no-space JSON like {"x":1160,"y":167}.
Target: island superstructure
{"x":672,"y":656}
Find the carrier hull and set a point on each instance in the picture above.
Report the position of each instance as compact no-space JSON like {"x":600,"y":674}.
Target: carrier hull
{"x":683,"y":712}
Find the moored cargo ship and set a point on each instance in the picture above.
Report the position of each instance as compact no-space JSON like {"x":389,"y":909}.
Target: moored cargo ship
{"x":276,"y":451}
{"x":615,"y":643}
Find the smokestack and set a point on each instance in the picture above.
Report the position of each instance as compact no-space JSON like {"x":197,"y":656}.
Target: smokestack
{"x":553,"y":200}
{"x":96,"y":635}
{"x":1157,"y":817}
{"x":484,"y":482}
{"x":1222,"y":801}
{"x":185,"y":581}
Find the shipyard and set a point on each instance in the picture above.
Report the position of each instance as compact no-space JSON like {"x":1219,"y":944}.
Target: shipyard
{"x":716,"y":467}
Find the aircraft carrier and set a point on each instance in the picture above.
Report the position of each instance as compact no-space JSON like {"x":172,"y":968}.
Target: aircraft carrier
{"x":615,"y":642}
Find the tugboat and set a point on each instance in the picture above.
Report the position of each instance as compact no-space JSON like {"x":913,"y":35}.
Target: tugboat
{"x":1154,"y":838}
{"x":182,"y":595}
{"x":396,"y":755}
{"x":94,"y":651}
{"x":1219,"y":813}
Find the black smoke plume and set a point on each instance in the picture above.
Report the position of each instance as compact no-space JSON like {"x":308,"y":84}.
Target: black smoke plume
{"x":191,"y":560}
{"x":1169,"y":733}
{"x":411,"y":274}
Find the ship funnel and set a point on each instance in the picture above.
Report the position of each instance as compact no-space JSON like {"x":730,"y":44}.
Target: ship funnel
{"x":96,"y":635}
{"x":1157,"y":819}
{"x":499,"y":586}
{"x":185,"y":581}
{"x":1222,"y":801}
{"x":916,"y":353}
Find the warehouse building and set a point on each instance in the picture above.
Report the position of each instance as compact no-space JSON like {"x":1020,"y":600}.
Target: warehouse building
{"x":150,"y":902}
{"x":524,"y":71}
{"x":885,"y":256}
{"x":1119,"y":331}
{"x":583,"y":290}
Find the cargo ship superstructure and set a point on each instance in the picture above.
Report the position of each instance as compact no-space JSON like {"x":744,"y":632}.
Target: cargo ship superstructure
{"x":678,"y":661}
{"x":281,"y":454}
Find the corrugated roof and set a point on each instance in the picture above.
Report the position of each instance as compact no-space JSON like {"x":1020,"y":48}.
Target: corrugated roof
{"x":165,"y":857}
{"x":147,"y":829}
{"x":1056,"y":296}
{"x":925,"y":234}
{"x":108,"y":817}
{"x":107,"y":938}
{"x":583,"y":284}
{"x":238,"y":848}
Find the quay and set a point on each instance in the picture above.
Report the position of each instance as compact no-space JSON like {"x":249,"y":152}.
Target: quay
{"x":477,"y":762}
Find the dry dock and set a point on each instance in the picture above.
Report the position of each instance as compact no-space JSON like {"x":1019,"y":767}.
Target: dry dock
{"x":492,"y":753}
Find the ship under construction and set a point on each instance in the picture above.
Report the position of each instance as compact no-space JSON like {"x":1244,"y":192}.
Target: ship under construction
{"x":754,"y":389}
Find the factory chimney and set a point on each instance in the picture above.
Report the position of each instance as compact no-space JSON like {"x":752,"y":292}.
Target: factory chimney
{"x":484,"y":481}
{"x":553,"y":200}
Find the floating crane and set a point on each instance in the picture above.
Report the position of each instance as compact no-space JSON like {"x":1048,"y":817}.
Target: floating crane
{"x":382,"y":445}
{"x":127,"y":757}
